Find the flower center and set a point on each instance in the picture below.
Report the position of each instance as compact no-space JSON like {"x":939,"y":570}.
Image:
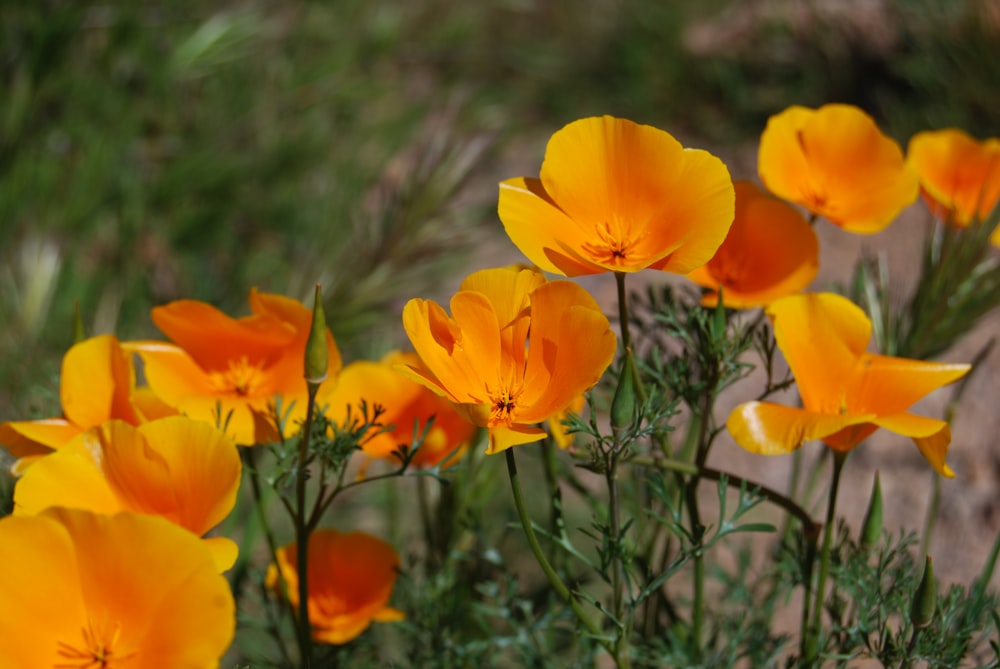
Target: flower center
{"x":242,"y":378}
{"x":97,"y":650}
{"x":503,"y":403}
{"x":616,"y":246}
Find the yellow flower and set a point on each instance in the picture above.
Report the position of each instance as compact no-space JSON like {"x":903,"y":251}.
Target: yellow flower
{"x":350,"y":581}
{"x":183,"y":470}
{"x":846,"y":393}
{"x":404,"y":403}
{"x":81,"y":589}
{"x":770,"y":252}
{"x":237,"y":364}
{"x":835,"y":162}
{"x":959,"y":177}
{"x":515,"y":351}
{"x":617,"y":196}
{"x":97,"y":385}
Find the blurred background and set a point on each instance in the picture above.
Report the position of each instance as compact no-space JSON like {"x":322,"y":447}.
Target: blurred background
{"x":151,"y":151}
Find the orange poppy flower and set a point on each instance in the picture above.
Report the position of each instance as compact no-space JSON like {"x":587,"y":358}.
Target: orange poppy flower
{"x":959,"y":177}
{"x":81,"y":589}
{"x":184,"y":470}
{"x":846,"y":393}
{"x":515,"y":351}
{"x":351,"y":576}
{"x":404,"y":403}
{"x":835,"y":162}
{"x":97,"y":384}
{"x":616,"y":196}
{"x":771,"y":251}
{"x":238,"y":365}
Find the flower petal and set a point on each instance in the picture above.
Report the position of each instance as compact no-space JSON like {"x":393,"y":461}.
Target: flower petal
{"x":888,"y":385}
{"x":821,"y":336}
{"x":957,"y":173}
{"x":540,"y":229}
{"x":772,"y":429}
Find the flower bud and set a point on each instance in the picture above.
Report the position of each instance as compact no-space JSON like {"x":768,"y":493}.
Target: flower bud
{"x":925,"y":598}
{"x":871,"y":529}
{"x":317,"y":355}
{"x":623,"y":403}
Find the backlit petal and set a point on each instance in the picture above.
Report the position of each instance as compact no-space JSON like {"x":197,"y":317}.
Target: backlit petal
{"x":956,"y":172}
{"x":70,"y":477}
{"x":36,"y":437}
{"x":96,"y":382}
{"x":772,"y":429}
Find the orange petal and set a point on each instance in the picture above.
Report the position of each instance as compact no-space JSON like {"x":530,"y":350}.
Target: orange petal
{"x":70,"y":477}
{"x":572,"y":345}
{"x":540,"y":229}
{"x":96,"y":382}
{"x":772,"y":429}
{"x":39,"y":570}
{"x":158,"y":580}
{"x":636,"y":186}
{"x":934,"y":448}
{"x":224,"y":552}
{"x":178,"y":468}
{"x":212,"y":338}
{"x":821,"y":336}
{"x":502,"y":437}
{"x":957,"y":172}
{"x":437,"y":340}
{"x":749,"y":266}
{"x":836,"y":162}
{"x":36,"y":437}
{"x":887,"y":385}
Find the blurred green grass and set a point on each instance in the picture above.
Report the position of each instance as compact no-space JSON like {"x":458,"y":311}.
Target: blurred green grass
{"x":155,"y":151}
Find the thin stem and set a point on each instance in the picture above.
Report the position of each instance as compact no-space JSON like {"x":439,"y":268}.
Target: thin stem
{"x":557,"y":583}
{"x":250,"y":456}
{"x":303,"y":529}
{"x":555,"y":494}
{"x":930,"y":520}
{"x":734,"y":481}
{"x":623,"y":311}
{"x":811,"y":641}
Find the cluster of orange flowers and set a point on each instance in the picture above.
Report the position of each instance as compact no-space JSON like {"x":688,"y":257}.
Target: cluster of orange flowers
{"x":116,"y":494}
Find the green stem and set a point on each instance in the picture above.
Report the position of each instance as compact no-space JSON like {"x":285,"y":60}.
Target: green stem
{"x":557,"y":583}
{"x":930,"y":520}
{"x":811,"y":641}
{"x":555,"y":495}
{"x":250,"y":465}
{"x":303,"y":529}
{"x":623,"y":311}
{"x":734,"y":481}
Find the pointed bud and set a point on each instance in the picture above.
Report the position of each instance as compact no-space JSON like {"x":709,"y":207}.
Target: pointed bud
{"x":317,"y":355}
{"x":623,"y":403}
{"x":925,"y":598}
{"x":79,"y":332}
{"x":871,"y":529}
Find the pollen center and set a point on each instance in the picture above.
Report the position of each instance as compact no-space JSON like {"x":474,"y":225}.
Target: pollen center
{"x":503,"y":404}
{"x":97,"y":650}
{"x":242,"y":379}
{"x":615,"y":244}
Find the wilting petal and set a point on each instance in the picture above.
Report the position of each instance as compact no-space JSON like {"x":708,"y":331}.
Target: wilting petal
{"x":934,"y":449}
{"x":821,"y":336}
{"x":750,"y":267}
{"x":889,"y":385}
{"x":772,"y":429}
{"x":836,"y":162}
